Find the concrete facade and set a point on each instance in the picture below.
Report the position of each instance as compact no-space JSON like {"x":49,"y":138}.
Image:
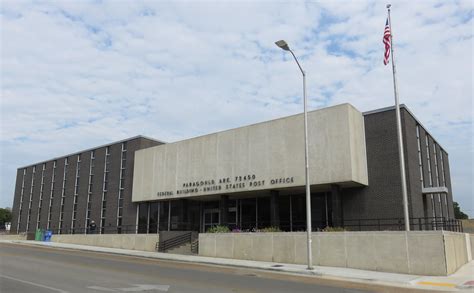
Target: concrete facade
{"x":257,"y":157}
{"x":436,"y":253}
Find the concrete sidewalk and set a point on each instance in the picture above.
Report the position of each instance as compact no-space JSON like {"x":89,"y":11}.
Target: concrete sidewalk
{"x":462,"y":280}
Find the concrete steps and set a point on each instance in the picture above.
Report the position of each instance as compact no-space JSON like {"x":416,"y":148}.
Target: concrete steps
{"x":184,"y":249}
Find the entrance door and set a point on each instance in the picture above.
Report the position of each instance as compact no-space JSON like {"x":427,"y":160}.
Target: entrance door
{"x":210,"y":218}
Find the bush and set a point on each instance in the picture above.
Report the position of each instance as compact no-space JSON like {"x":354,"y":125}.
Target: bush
{"x":270,"y":229}
{"x":218,"y":229}
{"x":334,"y":229}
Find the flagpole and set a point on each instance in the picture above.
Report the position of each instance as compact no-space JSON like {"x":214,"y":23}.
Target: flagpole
{"x":399,"y":129}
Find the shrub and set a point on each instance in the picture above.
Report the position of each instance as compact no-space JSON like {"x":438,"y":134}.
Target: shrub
{"x":334,"y":229}
{"x":218,"y":229}
{"x":270,"y":229}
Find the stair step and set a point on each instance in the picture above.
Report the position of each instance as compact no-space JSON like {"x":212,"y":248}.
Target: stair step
{"x":182,"y":249}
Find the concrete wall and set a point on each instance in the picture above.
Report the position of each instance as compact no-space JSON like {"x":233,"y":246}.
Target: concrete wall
{"x":456,"y":251}
{"x":144,"y":242}
{"x":12,"y":237}
{"x":422,"y":253}
{"x":471,"y":240}
{"x":268,"y":150}
{"x":468,"y":226}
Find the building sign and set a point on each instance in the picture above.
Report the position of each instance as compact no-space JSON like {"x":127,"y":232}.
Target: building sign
{"x":226,"y":184}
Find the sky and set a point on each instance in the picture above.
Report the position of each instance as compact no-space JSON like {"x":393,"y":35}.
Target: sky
{"x":77,"y":74}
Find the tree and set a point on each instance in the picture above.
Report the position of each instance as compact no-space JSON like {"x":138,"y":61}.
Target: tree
{"x":5,"y":216}
{"x":458,"y":214}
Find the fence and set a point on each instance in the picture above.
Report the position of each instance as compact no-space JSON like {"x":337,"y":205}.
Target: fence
{"x":383,"y":224}
{"x":416,"y":224}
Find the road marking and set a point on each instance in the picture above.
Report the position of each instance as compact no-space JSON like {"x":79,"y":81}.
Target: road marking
{"x":137,"y":288}
{"x":98,"y":288}
{"x":144,"y":287}
{"x":34,"y":284}
{"x":437,"y":284}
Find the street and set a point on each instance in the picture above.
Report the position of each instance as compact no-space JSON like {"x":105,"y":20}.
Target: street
{"x":27,"y":268}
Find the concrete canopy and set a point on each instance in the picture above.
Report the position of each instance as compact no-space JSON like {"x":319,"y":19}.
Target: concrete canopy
{"x":263,"y":156}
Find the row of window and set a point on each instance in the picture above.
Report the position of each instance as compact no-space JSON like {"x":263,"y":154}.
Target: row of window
{"x":63,"y":195}
{"x":40,"y":203}
{"x":440,"y":181}
{"x":76,"y":193}
{"x":89,"y":190}
{"x":104,"y":189}
{"x":123,"y":162}
{"x":442,"y":198}
{"x":74,"y":217}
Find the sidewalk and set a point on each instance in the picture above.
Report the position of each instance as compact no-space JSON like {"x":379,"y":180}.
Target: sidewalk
{"x":462,"y":280}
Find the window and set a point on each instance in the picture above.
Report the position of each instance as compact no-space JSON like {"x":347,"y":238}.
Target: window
{"x":30,"y":201}
{"x":436,"y":164}
{"x":40,"y":203}
{"x":51,"y":197}
{"x":420,"y":160}
{"x":123,"y":161}
{"x":443,"y":178}
{"x":63,"y":195}
{"x":428,"y":159}
{"x":105,"y":188}
{"x":89,"y":189}
{"x":142,"y":217}
{"x":76,"y":194}
{"x":20,"y":208}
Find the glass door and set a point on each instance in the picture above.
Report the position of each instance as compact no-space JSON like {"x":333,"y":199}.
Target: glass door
{"x":211,"y":218}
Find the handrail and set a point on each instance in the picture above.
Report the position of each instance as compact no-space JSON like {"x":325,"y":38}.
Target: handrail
{"x":176,"y":241}
{"x":195,"y":246}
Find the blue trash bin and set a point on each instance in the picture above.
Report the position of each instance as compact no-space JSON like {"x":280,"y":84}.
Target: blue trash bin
{"x":47,"y":235}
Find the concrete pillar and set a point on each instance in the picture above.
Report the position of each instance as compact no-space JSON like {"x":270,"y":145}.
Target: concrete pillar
{"x":274,"y":209}
{"x":336,"y":203}
{"x":224,"y":210}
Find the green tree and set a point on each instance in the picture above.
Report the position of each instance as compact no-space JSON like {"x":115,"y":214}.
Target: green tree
{"x":5,"y":216}
{"x":458,"y":214}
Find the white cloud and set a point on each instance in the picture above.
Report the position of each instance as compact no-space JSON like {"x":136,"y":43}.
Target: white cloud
{"x":78,"y":74}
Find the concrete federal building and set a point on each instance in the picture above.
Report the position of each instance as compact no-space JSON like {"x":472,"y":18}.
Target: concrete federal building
{"x":247,"y":178}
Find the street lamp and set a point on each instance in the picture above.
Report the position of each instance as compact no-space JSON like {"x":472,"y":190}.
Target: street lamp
{"x":282,"y":44}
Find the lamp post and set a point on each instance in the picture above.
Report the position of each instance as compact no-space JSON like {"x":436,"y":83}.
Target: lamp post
{"x":283,"y":45}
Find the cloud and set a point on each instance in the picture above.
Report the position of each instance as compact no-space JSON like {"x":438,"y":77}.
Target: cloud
{"x":79,"y":74}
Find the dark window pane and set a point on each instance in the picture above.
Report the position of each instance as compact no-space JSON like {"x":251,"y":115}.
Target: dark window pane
{"x":142,"y":217}
{"x":153,"y":217}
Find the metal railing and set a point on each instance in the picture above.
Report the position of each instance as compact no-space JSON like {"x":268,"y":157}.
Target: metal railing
{"x":165,"y":245}
{"x":376,"y":224}
{"x":416,"y":224}
{"x":195,"y":246}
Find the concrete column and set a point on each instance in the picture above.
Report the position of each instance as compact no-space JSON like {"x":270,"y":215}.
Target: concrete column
{"x":336,"y":203}
{"x":274,"y":209}
{"x":224,"y":209}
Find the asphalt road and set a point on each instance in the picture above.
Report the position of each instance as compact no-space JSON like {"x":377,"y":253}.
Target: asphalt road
{"x":25,"y":268}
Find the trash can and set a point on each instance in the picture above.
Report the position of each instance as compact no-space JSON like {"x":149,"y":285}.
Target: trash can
{"x":47,"y":235}
{"x":30,"y":236}
{"x":39,"y":235}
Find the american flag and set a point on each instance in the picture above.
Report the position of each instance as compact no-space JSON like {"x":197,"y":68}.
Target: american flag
{"x":387,"y":43}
